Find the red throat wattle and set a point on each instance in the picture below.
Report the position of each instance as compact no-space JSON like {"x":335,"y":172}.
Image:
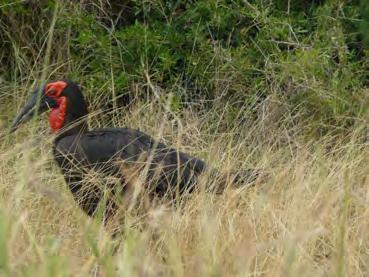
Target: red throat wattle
{"x":57,"y":115}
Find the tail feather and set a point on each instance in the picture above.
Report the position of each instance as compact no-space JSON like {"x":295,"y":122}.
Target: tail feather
{"x":234,"y":179}
{"x":246,"y":177}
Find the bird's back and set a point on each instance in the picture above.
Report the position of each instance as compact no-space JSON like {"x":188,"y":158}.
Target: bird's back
{"x":104,"y":149}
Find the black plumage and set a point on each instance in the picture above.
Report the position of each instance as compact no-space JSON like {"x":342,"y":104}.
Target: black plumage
{"x":103,"y":150}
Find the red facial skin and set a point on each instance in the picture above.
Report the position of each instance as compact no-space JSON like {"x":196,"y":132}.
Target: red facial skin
{"x":57,"y":115}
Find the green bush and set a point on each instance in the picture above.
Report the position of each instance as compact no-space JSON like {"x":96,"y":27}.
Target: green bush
{"x":311,"y":55}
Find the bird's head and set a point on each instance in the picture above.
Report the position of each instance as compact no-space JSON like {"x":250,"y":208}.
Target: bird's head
{"x":64,"y":100}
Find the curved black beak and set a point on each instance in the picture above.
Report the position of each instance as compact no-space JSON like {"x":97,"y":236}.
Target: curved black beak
{"x":39,"y":102}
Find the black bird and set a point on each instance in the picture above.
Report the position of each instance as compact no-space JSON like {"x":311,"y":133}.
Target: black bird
{"x":78,"y":150}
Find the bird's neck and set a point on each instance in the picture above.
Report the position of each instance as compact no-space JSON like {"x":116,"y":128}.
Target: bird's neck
{"x":58,"y":115}
{"x":73,"y":128}
{"x":66,"y":119}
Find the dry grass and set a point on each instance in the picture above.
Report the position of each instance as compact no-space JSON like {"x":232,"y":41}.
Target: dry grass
{"x":310,"y":217}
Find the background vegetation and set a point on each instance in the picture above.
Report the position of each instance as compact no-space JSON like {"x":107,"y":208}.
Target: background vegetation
{"x":310,"y":57}
{"x":281,"y":85}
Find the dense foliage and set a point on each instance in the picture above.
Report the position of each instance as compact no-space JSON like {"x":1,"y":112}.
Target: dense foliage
{"x":309,"y":57}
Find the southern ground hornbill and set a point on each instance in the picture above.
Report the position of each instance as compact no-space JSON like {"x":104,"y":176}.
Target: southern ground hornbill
{"x":109,"y":152}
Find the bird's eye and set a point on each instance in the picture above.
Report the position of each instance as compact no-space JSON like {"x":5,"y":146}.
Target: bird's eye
{"x":50,"y":90}
{"x":55,"y":89}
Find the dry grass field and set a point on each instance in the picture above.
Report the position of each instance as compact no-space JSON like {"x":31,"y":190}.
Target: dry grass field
{"x":308,"y":217}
